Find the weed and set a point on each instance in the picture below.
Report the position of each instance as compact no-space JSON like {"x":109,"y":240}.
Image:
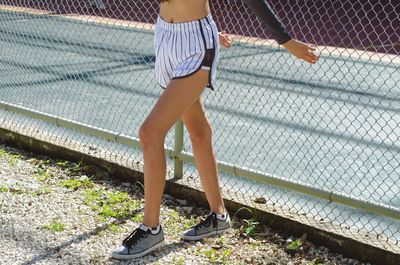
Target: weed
{"x":77,"y":167}
{"x":111,"y":204}
{"x":42,"y":175}
{"x":14,"y":158}
{"x":115,"y":228}
{"x":46,"y":162}
{"x":4,"y":189}
{"x":55,"y":226}
{"x":45,"y":190}
{"x":2,"y":152}
{"x":77,"y":183}
{"x":189,"y":223}
{"x":250,"y":227}
{"x":137,"y":218}
{"x":178,"y":260}
{"x":295,"y":245}
{"x":62,"y":164}
{"x":217,"y":256}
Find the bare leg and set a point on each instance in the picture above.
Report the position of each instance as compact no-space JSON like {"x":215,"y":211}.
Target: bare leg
{"x":200,"y":132}
{"x":179,"y":95}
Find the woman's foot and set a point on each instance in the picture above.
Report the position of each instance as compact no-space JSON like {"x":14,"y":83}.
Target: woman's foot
{"x":214,"y":224}
{"x":139,"y":243}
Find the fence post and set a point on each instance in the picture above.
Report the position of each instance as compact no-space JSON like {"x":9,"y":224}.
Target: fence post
{"x":178,"y":163}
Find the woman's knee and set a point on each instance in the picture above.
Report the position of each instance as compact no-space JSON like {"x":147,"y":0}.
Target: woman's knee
{"x":148,"y":135}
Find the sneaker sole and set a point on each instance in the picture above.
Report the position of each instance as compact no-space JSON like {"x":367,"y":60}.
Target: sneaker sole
{"x":138,"y":255}
{"x":198,"y":237}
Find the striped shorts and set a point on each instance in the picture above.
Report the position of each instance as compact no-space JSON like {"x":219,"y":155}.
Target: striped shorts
{"x":184,"y":48}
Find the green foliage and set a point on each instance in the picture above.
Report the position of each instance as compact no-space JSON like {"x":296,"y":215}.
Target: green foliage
{"x":14,"y":158}
{"x":77,"y":183}
{"x":137,"y":218}
{"x":189,"y":222}
{"x":45,"y":190}
{"x":115,"y":228}
{"x":220,"y":256}
{"x":295,"y":245}
{"x":178,"y":260}
{"x":41,"y":174}
{"x":2,"y":152}
{"x":111,"y":204}
{"x":62,"y":164}
{"x":55,"y":226}
{"x":4,"y":189}
{"x":250,"y":227}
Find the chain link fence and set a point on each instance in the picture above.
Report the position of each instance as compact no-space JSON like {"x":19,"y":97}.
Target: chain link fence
{"x":317,"y":142}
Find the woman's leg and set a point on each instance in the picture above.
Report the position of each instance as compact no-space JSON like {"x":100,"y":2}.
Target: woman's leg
{"x":200,"y":132}
{"x":178,"y":96}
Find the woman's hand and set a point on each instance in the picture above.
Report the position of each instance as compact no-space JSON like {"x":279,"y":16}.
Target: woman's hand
{"x":301,"y":50}
{"x":224,"y":39}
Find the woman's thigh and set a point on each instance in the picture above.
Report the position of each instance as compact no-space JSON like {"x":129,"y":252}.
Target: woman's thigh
{"x":178,"y":96}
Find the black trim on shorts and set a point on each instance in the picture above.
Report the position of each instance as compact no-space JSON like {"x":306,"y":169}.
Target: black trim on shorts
{"x":209,"y":56}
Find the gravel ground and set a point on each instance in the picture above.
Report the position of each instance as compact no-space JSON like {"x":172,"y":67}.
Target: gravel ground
{"x":59,"y":212}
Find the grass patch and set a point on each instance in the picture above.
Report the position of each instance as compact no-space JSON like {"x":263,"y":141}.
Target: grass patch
{"x":250,"y":227}
{"x":62,"y":164}
{"x":178,"y":260}
{"x":111,"y":204}
{"x":3,"y":152}
{"x":217,"y":256}
{"x":4,"y":189}
{"x":137,"y":218}
{"x":14,"y":158}
{"x":295,"y":245}
{"x":55,"y":226}
{"x":75,"y":184}
{"x":45,"y":190}
{"x":41,"y":174}
{"x":189,"y":223}
{"x":75,"y":168}
{"x":115,"y":228}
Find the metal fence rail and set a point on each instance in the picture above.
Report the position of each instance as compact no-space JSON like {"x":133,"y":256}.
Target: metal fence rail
{"x":282,"y":128}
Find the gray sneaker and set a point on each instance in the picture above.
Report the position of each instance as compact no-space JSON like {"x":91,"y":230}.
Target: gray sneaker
{"x":207,"y":227}
{"x":139,"y":243}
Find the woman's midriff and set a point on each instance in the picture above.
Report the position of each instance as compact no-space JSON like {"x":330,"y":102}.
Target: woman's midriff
{"x":178,"y":11}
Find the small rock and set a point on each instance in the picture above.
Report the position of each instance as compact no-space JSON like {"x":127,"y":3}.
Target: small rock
{"x":125,"y":184}
{"x":169,"y":197}
{"x":260,"y":200}
{"x":89,"y":169}
{"x":182,"y":202}
{"x":308,"y":244}
{"x":187,"y":209}
{"x":318,"y":260}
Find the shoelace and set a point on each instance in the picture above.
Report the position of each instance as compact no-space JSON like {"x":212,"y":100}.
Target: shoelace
{"x":134,"y":237}
{"x":211,"y":218}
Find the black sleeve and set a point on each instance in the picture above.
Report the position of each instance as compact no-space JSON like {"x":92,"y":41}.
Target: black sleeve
{"x":263,"y":10}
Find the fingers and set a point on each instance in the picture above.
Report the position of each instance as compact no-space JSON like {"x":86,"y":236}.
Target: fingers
{"x":224,"y":39}
{"x":309,"y":59}
{"x":309,"y":56}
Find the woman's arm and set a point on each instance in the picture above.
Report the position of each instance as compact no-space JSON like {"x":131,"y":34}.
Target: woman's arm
{"x":263,"y":10}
